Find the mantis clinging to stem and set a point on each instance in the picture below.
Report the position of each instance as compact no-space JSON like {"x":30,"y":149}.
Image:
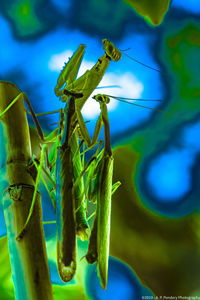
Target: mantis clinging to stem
{"x":85,"y":84}
{"x":69,"y":168}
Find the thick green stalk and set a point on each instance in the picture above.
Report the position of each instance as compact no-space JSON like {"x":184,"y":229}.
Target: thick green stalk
{"x":28,"y":255}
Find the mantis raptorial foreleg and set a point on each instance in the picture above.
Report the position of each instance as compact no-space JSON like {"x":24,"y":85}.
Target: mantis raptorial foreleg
{"x":88,"y":82}
{"x":70,"y":70}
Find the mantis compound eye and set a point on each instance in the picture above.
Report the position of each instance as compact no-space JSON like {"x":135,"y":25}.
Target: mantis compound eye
{"x":104,"y":41}
{"x":111,"y":50}
{"x":106,"y":99}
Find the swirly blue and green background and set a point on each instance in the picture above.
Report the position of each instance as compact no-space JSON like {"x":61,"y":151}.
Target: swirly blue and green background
{"x":155,"y":229}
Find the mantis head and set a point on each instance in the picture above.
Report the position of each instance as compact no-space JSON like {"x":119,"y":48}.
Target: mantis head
{"x":111,"y":51}
{"x":101,"y":98}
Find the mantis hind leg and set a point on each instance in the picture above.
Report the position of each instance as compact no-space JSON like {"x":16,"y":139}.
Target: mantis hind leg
{"x":24,"y":96}
{"x":23,"y":231}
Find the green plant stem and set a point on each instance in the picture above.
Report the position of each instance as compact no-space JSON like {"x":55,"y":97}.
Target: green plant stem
{"x":28,"y":255}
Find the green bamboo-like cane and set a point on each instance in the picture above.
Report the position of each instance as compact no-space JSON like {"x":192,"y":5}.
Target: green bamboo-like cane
{"x":28,"y":255}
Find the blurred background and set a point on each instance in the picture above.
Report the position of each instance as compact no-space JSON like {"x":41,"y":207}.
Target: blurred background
{"x":155,"y":230}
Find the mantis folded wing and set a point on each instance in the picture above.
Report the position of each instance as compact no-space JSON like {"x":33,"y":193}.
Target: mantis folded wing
{"x":65,"y":206}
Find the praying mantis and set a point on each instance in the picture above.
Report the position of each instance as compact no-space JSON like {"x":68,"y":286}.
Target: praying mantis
{"x":86,"y":84}
{"x":98,"y":249}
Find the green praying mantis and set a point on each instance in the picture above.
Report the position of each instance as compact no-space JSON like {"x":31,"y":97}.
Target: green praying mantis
{"x":86,"y":84}
{"x":75,"y":180}
{"x":98,"y":249}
